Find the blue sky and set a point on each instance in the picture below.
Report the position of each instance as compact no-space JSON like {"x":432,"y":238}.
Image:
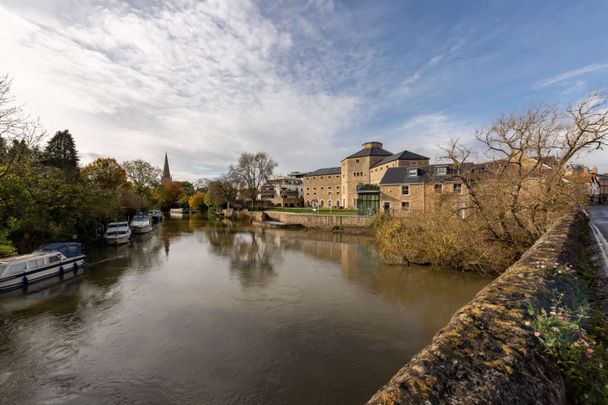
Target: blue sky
{"x":305,"y":81}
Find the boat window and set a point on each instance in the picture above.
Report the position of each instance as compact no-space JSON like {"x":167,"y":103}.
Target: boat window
{"x":16,"y":268}
{"x":35,"y":264}
{"x":2,"y":268}
{"x":54,"y":259}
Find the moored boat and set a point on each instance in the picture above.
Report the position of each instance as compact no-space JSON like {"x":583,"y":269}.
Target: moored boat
{"x":141,"y":223}
{"x":117,"y":233}
{"x":51,"y":260}
{"x":179,"y":212}
{"x":156,"y":215}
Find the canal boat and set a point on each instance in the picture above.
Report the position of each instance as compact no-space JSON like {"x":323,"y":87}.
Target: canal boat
{"x":117,"y":233}
{"x":141,"y":223}
{"x":51,"y":260}
{"x":156,"y":215}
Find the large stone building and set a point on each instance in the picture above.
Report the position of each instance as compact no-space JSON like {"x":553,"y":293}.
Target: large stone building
{"x":374,"y":178}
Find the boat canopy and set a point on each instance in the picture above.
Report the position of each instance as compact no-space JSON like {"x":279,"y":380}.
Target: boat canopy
{"x":69,"y":249}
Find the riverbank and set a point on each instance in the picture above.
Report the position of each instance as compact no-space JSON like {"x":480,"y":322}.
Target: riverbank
{"x":501,"y":347}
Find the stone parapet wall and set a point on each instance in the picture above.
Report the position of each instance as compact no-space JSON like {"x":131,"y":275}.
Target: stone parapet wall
{"x":320,"y":221}
{"x":488,"y":352}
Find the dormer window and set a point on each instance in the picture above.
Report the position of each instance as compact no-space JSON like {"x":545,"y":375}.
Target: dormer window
{"x":441,"y":171}
{"x":412,"y":172}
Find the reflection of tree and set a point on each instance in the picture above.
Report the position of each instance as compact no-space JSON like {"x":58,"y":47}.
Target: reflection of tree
{"x":252,"y":253}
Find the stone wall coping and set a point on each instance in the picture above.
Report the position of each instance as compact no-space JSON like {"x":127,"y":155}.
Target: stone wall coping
{"x":487,"y":353}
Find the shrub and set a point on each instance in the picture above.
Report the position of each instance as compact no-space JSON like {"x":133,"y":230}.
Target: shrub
{"x":443,"y":239}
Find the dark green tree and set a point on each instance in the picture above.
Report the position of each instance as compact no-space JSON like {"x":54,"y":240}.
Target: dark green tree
{"x":61,"y":153}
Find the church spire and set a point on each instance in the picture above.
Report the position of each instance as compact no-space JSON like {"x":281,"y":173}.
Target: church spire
{"x":166,"y":171}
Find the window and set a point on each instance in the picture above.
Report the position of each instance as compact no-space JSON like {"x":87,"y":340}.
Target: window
{"x":387,"y":205}
{"x":457,"y":188}
{"x":322,"y":203}
{"x":441,"y":171}
{"x":405,"y":190}
{"x":405,"y":206}
{"x":55,"y":259}
{"x":356,"y":160}
{"x":412,"y":172}
{"x":413,"y":163}
{"x":2,"y":268}
{"x":16,"y":268}
{"x":438,"y":188}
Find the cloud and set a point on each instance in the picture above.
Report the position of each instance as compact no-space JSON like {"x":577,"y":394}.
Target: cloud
{"x":594,"y":67}
{"x":203,"y":80}
{"x":428,"y":133}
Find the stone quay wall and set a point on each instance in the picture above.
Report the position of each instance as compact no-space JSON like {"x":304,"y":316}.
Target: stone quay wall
{"x":487,"y":353}
{"x":317,"y":221}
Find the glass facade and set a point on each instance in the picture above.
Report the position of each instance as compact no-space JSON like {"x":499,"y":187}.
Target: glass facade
{"x":368,"y":202}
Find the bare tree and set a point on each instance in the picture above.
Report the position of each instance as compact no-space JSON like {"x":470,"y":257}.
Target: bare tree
{"x":252,"y":172}
{"x":15,"y":127}
{"x":524,"y":182}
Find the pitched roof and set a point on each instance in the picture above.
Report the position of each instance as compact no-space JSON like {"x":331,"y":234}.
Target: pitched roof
{"x":399,"y":175}
{"x":370,"y":152}
{"x":324,"y":171}
{"x":405,"y":155}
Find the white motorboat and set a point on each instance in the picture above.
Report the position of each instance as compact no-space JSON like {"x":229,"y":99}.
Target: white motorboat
{"x":156,"y":215}
{"x":141,"y":223}
{"x":51,"y":260}
{"x":117,"y":233}
{"x":179,"y":212}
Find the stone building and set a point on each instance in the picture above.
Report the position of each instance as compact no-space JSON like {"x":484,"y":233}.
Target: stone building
{"x":416,"y":189}
{"x":322,"y":188}
{"x":341,"y":185}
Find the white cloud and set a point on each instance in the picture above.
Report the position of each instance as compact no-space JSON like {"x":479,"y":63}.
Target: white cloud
{"x":202,"y":80}
{"x":594,"y":67}
{"x":428,"y":133}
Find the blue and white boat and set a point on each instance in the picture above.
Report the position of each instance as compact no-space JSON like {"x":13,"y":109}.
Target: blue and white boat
{"x":156,"y":215}
{"x":51,"y":260}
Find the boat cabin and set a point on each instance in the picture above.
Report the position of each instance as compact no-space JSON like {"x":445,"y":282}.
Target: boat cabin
{"x":21,"y":264}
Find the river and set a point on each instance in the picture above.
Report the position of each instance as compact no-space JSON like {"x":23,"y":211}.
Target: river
{"x":201,"y":313}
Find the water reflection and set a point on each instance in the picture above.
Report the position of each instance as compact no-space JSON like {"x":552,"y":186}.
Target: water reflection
{"x":197,"y":312}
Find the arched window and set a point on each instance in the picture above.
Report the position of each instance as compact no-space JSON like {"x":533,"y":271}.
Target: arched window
{"x":322,"y":204}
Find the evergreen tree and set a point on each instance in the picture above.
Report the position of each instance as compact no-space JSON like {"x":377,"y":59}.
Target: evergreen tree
{"x":61,"y":153}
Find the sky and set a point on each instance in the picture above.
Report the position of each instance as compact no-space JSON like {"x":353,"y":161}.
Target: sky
{"x":305,"y":81}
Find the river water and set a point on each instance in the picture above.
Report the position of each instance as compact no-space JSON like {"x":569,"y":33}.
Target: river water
{"x":203,"y":313}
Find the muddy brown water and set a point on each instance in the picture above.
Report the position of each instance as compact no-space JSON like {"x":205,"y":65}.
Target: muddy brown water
{"x":201,"y":313}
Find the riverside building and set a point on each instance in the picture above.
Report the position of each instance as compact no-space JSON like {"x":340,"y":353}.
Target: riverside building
{"x":374,"y":179}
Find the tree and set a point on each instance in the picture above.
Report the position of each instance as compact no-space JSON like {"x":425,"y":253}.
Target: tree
{"x":516,"y":185}
{"x":219,"y":192}
{"x":60,"y":152}
{"x":196,"y":202}
{"x":528,"y":157}
{"x":168,"y":194}
{"x":252,"y":172}
{"x":142,"y":175}
{"x":106,"y":174}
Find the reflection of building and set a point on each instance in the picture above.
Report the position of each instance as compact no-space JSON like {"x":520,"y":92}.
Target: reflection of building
{"x":375,"y":179}
{"x":284,"y":191}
